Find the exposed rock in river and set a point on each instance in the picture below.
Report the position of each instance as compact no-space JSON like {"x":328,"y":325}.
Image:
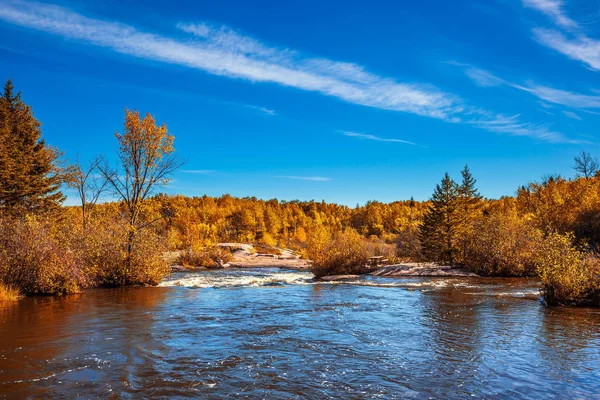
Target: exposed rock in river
{"x":333,"y":278}
{"x":421,"y":269}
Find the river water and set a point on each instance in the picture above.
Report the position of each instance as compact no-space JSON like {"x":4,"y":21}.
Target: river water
{"x":275,"y":334}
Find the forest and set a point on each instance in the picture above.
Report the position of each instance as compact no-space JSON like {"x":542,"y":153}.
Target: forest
{"x":549,"y":229}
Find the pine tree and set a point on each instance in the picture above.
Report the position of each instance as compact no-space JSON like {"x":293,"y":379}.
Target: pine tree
{"x":438,"y":230}
{"x":29,"y":176}
{"x":467,"y":189}
{"x":469,"y":201}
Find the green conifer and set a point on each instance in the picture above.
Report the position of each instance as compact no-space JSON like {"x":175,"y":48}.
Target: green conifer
{"x":438,"y":230}
{"x":29,"y":176}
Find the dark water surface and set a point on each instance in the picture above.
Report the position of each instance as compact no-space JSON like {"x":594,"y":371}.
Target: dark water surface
{"x":272,"y":334}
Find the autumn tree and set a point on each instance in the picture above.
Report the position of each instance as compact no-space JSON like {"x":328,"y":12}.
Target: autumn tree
{"x":30,"y":177}
{"x":438,"y":230}
{"x":586,"y":165}
{"x":146,"y":163}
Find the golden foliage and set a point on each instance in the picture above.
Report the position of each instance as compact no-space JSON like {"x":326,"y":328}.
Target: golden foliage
{"x":34,"y":257}
{"x":569,"y":276}
{"x":346,"y":253}
{"x":210,"y":257}
{"x":502,"y":244}
{"x":9,"y":293}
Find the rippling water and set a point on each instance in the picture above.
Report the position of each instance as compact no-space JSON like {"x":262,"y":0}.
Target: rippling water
{"x":276,"y":334}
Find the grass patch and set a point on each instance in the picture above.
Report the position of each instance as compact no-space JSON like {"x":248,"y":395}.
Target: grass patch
{"x":9,"y":293}
{"x":263,"y":249}
{"x":210,"y":257}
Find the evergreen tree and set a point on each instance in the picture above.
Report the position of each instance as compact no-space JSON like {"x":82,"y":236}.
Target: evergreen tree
{"x":438,"y":230}
{"x":469,"y":201}
{"x":29,"y":176}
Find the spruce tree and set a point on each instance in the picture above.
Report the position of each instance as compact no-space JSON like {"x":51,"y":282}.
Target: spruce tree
{"x":469,"y":202}
{"x":467,"y":189}
{"x":438,"y":230}
{"x":29,"y":176}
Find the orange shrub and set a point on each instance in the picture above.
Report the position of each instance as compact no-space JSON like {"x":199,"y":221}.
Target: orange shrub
{"x":9,"y":293}
{"x":35,"y":258}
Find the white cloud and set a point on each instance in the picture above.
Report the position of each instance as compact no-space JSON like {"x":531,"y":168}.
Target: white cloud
{"x":265,"y":110}
{"x":222,"y":51}
{"x":577,"y":46}
{"x":365,"y":136}
{"x":306,"y":178}
{"x":545,"y":111}
{"x":571,"y":115}
{"x":484,"y":78}
{"x":581,"y":48}
{"x":564,"y":97}
{"x":546,"y":93}
{"x":554,"y":10}
{"x":512,"y":125}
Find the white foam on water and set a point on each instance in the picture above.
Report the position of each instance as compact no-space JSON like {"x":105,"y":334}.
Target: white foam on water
{"x":212,"y":280}
{"x":47,"y":377}
{"x":522,"y":293}
{"x":271,"y":277}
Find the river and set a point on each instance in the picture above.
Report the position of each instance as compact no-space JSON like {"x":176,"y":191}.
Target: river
{"x":270,"y":333}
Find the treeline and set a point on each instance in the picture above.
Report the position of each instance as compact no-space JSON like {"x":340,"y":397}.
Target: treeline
{"x":549,"y":229}
{"x":199,"y":222}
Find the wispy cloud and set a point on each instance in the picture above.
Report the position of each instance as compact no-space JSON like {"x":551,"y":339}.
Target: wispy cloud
{"x":305,"y":178}
{"x":576,"y":45}
{"x":580,"y":48}
{"x":564,"y":97}
{"x":484,"y":78}
{"x":542,"y":92}
{"x":553,"y":9}
{"x":222,"y":51}
{"x":571,"y":115}
{"x":512,"y":125}
{"x":263,"y":110}
{"x":365,"y":136}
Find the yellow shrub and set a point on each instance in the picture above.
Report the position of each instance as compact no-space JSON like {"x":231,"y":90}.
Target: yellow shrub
{"x":502,"y":244}
{"x":568,"y":275}
{"x":268,"y":240}
{"x":8,"y":293}
{"x":346,"y":253}
{"x":210,"y":257}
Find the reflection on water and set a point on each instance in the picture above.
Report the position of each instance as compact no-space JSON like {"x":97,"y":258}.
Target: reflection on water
{"x":277,"y":334}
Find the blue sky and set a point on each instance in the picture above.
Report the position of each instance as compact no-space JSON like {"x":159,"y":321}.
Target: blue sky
{"x":342,"y":101}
